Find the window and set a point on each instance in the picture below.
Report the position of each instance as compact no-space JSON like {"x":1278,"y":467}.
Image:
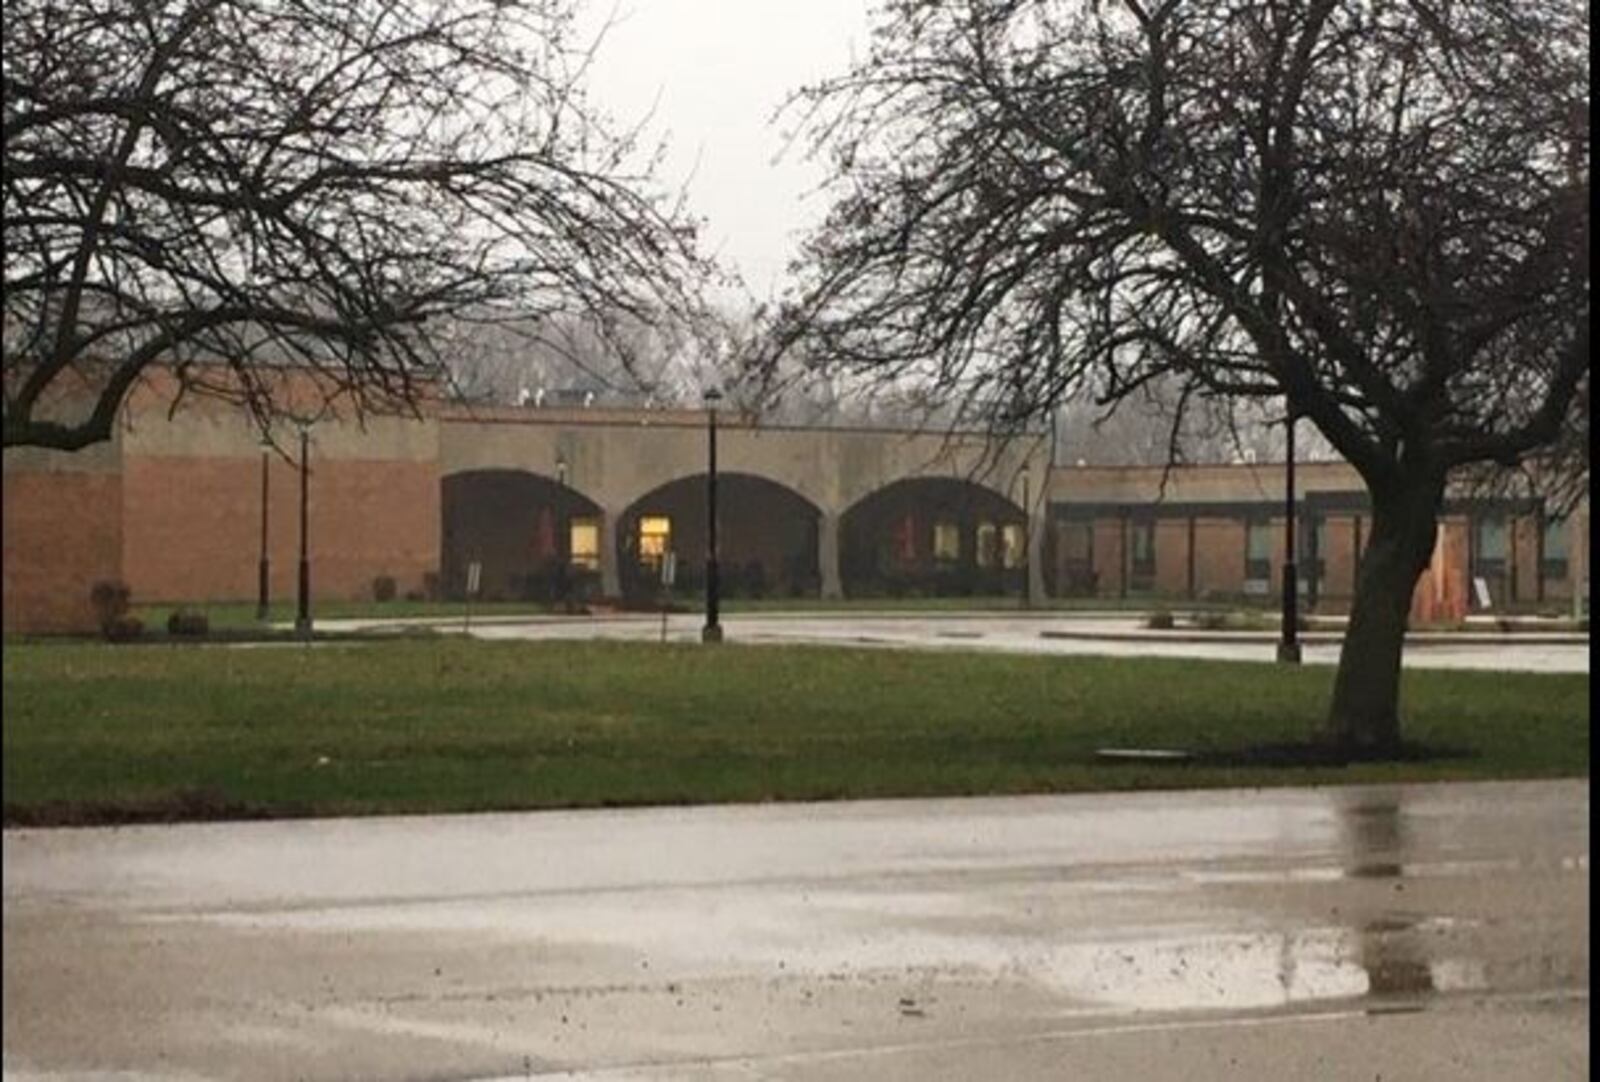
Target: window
{"x":655,"y":539}
{"x":583,"y":539}
{"x":1013,"y":546}
{"x":1489,"y":545}
{"x":1257,"y":553}
{"x":988,"y":544}
{"x":1142,"y":543}
{"x":946,"y":542}
{"x":1554,"y":563}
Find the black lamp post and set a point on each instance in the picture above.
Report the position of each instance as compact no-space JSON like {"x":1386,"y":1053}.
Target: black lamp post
{"x":1288,"y":641}
{"x":712,"y":632}
{"x":1026,"y":517}
{"x":262,"y":576}
{"x":302,"y":621}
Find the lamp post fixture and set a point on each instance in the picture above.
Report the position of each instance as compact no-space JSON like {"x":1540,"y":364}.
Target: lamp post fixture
{"x":302,"y":621}
{"x":262,"y":569}
{"x":1288,"y":640}
{"x":712,"y":632}
{"x":1027,"y":516}
{"x":561,"y":471}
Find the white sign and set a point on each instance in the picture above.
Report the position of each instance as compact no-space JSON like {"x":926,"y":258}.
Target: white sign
{"x":474,"y":577}
{"x":669,"y":568}
{"x":1480,"y":588}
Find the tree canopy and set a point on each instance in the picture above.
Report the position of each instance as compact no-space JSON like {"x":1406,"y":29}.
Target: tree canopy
{"x":225,"y":186}
{"x":1376,"y":211}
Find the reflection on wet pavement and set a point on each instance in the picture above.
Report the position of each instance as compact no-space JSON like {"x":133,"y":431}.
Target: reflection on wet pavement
{"x":627,"y":937}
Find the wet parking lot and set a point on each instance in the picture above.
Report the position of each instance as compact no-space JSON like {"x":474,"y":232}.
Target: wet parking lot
{"x":1405,"y":933}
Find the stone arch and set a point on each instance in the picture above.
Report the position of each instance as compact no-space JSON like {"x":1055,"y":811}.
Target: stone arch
{"x":766,"y":536}
{"x":520,"y":526}
{"x":932,"y":536}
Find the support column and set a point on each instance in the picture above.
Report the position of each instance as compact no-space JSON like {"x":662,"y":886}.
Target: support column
{"x":610,"y":580}
{"x":1035,"y":542}
{"x":828,"y":555}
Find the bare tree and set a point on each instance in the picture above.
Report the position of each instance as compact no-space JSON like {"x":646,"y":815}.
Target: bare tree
{"x":228,"y":186}
{"x":1374,"y":211}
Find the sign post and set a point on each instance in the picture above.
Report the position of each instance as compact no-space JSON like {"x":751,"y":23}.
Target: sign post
{"x":474,"y":577}
{"x":669,"y":574}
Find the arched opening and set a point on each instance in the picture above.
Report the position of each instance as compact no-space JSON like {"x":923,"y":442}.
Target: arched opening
{"x":536,"y":539}
{"x":932,"y":537}
{"x":766,"y":538}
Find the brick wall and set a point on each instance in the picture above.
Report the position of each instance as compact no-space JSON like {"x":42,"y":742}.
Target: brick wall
{"x":62,"y":533}
{"x":192,"y":529}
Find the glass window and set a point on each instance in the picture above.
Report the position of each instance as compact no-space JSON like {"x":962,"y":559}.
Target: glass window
{"x":988,"y":544}
{"x":946,"y":541}
{"x":1490,"y":544}
{"x":1012,"y":546}
{"x":1554,"y":564}
{"x":655,"y":538}
{"x":1142,"y":542}
{"x":584,"y":542}
{"x":1257,"y":550}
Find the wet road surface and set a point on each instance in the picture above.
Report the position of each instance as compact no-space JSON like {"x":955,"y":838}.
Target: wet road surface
{"x":1115,"y":636}
{"x":1428,"y":932}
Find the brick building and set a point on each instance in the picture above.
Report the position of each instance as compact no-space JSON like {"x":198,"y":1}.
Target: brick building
{"x":177,"y":507}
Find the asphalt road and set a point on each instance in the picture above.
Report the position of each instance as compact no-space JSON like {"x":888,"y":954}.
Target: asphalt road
{"x":1413,"y":933}
{"x":1107,"y":636}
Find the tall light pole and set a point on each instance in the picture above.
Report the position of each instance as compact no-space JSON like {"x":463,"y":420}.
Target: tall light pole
{"x":1288,"y":640}
{"x":302,"y":621}
{"x":712,"y":632}
{"x":262,"y":575}
{"x":1027,"y":516}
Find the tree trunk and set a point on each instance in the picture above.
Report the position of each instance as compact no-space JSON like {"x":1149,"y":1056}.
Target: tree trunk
{"x":1364,"y":719}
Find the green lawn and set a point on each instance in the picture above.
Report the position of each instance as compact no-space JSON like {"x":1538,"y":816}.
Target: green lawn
{"x":103,"y":732}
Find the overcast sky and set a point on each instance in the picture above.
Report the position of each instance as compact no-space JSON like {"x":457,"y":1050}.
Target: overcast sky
{"x":715,"y":70}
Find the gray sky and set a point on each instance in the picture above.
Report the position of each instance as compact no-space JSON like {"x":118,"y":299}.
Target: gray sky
{"x":715,"y":70}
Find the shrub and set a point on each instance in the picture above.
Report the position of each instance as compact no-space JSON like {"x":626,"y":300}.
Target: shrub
{"x":416,"y":595}
{"x":383,"y":588}
{"x":1159,"y":620}
{"x":430,"y":585}
{"x":110,"y":599}
{"x":188,"y":622}
{"x":122,"y":629}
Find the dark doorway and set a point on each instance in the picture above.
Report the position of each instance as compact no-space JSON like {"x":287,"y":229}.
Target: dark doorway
{"x":930,"y":537}
{"x":767,"y":535}
{"x":536,"y":539}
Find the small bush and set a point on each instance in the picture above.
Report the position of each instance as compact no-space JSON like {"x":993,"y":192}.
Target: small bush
{"x":122,"y":629}
{"x":383,"y":588}
{"x":110,"y":599}
{"x":1159,"y":620}
{"x":190,"y":623}
{"x":430,"y":585}
{"x":416,"y":595}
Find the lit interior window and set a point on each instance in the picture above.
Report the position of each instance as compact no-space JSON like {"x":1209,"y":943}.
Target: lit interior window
{"x":988,"y":545}
{"x":584,"y":540}
{"x":1011,"y":546}
{"x":655,"y":538}
{"x":946,"y":541}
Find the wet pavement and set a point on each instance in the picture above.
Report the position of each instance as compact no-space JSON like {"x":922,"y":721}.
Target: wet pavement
{"x":1114,"y":636}
{"x":1424,"y":932}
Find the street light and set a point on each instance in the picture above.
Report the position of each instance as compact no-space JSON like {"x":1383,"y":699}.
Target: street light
{"x":262,"y":576}
{"x":1288,"y":640}
{"x":302,"y":621}
{"x":712,"y":632}
{"x":561,"y":471}
{"x":1026,"y":534}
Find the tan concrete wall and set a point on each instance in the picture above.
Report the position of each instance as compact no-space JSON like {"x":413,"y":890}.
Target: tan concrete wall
{"x":61,"y":524}
{"x":1227,"y":483}
{"x":616,"y":457}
